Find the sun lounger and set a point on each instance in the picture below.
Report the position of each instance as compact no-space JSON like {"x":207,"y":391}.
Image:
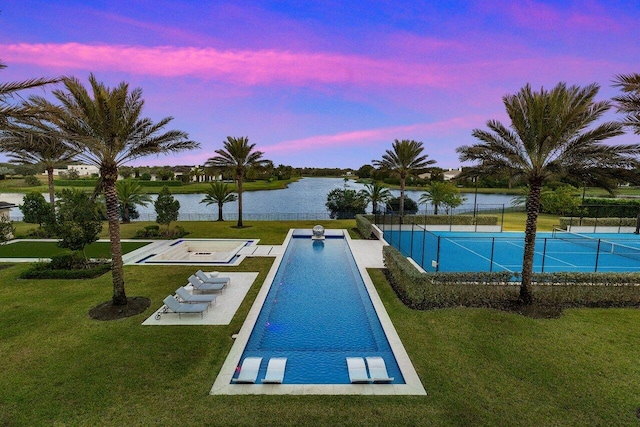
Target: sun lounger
{"x":200,"y":286}
{"x":378,"y":370}
{"x":186,"y":296}
{"x":357,"y":370}
{"x":248,"y":370}
{"x":209,"y":273}
{"x":181,"y":308}
{"x":275,"y":370}
{"x":210,"y":279}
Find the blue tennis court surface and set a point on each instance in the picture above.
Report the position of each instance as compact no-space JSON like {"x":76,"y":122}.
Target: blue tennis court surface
{"x":503,"y":251}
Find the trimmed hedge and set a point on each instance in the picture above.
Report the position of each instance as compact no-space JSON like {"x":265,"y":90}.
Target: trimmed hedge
{"x":364,"y":226}
{"x":44,"y":271}
{"x":609,"y":207}
{"x":425,"y":291}
{"x":605,"y":222}
{"x":437,"y":219}
{"x":75,"y":182}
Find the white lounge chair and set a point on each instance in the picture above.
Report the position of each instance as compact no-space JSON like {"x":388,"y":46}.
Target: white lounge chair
{"x":275,"y":370}
{"x":357,"y":370}
{"x":210,"y":279}
{"x":186,"y":296}
{"x":378,"y":370}
{"x":171,"y":303}
{"x":248,"y":371}
{"x":210,"y":273}
{"x":200,"y":286}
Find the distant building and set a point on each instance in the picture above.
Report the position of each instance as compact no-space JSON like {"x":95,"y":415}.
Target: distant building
{"x":82,"y":170}
{"x":448,"y":175}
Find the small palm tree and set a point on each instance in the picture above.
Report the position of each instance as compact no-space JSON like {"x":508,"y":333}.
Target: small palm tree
{"x":107,"y":130}
{"x":219,"y":193}
{"x":238,"y":156}
{"x":130,"y":194}
{"x":441,"y":193}
{"x":550,"y":136}
{"x":404,"y":159}
{"x":375,"y":193}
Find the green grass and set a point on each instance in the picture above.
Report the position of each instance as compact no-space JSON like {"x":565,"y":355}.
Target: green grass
{"x":479,"y":367}
{"x":49,"y":249}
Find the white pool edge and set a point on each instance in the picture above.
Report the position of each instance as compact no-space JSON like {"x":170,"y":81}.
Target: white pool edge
{"x":223,"y":385}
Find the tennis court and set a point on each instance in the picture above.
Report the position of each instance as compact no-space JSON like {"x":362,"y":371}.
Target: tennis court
{"x":503,"y":251}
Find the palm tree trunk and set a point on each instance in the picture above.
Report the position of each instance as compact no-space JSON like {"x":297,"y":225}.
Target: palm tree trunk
{"x":125,"y":214}
{"x":52,"y":196}
{"x":220,"y":212}
{"x":117,"y":273}
{"x":239,"y":200}
{"x":435,"y":209}
{"x":402,"y":183}
{"x":533,"y":207}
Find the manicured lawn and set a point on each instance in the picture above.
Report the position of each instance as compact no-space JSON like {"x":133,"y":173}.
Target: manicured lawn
{"x":479,"y":367}
{"x":49,"y":249}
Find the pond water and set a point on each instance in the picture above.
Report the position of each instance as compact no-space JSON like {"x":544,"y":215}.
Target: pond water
{"x":303,"y":199}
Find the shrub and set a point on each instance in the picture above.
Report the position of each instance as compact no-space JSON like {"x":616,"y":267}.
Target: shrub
{"x":364,"y":226}
{"x":437,"y":219}
{"x":31,"y":181}
{"x":154,"y":232}
{"x":41,"y":271}
{"x":67,"y":261}
{"x":605,"y":222}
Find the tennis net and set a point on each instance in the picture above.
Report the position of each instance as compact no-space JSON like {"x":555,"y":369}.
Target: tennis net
{"x":598,"y":245}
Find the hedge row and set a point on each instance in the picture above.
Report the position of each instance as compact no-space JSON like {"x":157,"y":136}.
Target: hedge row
{"x":435,"y":219}
{"x":424,"y":291}
{"x":364,"y":226}
{"x":605,"y":222}
{"x":92,"y":183}
{"x":609,"y":207}
{"x":42,"y":271}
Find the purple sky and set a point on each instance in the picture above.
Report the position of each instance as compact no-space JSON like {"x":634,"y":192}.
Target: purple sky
{"x":324,"y":83}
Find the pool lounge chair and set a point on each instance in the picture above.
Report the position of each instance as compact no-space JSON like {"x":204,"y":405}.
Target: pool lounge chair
{"x":210,"y":279}
{"x":200,"y":286}
{"x":172,"y":304}
{"x":275,"y":370}
{"x":186,"y":296}
{"x":248,"y":371}
{"x":378,"y":370}
{"x":357,"y":370}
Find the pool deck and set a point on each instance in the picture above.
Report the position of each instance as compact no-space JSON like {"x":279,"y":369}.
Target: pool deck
{"x":368,"y":254}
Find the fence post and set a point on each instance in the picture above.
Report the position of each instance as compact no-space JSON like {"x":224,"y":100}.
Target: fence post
{"x":438,"y":256}
{"x":502,"y":220}
{"x":597,"y":257}
{"x":544,"y":254}
{"x":424,"y":236}
{"x":493,"y":244}
{"x":411,"y":251}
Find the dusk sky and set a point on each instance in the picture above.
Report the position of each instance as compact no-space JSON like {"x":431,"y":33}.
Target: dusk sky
{"x":324,"y":83}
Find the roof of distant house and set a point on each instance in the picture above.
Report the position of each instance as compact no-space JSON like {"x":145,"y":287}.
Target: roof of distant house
{"x":7,"y":205}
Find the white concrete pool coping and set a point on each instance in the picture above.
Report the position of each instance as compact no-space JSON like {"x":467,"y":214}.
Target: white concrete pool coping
{"x":366,"y":254}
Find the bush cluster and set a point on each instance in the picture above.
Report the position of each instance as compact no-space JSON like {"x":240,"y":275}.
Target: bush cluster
{"x":425,"y":291}
{"x":364,"y":226}
{"x":154,"y":232}
{"x":436,"y":219}
{"x":604,"y":222}
{"x":69,"y":265}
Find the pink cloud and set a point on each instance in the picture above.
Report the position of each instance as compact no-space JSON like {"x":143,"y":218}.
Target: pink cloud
{"x":247,"y":67}
{"x":366,"y":136}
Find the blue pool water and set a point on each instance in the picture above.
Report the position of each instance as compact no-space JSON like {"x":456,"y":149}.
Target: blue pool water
{"x":317,"y":313}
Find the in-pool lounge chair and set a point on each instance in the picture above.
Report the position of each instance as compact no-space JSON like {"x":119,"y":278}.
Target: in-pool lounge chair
{"x":200,"y":286}
{"x":172,"y":304}
{"x":212,"y":279}
{"x":357,"y":370}
{"x":378,"y":370}
{"x":275,"y":370}
{"x":186,"y":296}
{"x":248,"y":371}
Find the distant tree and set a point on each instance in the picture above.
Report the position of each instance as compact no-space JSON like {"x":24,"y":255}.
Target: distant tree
{"x":77,"y":221}
{"x":219,"y":193}
{"x":237,"y":155}
{"x":376,"y":193}
{"x":345,"y":203}
{"x":145,"y":176}
{"x":441,"y":193}
{"x":126,"y":172}
{"x":35,"y":209}
{"x":167,"y":208}
{"x":410,"y":205}
{"x":130,"y":194}
{"x":404,"y":159}
{"x":365,"y":171}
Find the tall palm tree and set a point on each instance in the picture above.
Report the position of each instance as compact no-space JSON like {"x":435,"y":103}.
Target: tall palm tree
{"x":238,"y":156}
{"x":130,"y":194}
{"x":404,"y":159}
{"x":376,"y":193}
{"x":629,"y":102}
{"x":107,"y":129}
{"x":550,"y":135}
{"x":219,"y":193}
{"x":35,"y":142}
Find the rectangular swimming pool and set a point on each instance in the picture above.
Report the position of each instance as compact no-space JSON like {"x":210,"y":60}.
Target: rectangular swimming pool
{"x":317,"y":313}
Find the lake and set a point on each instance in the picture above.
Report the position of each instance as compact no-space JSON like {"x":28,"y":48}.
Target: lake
{"x":303,"y":199}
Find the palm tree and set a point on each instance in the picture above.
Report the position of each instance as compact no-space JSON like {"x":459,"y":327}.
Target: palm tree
{"x":238,"y":156}
{"x":629,"y":102}
{"x":441,"y":193}
{"x":405,"y":159}
{"x":35,"y":142}
{"x":376,"y":193}
{"x":550,"y":135}
{"x":219,"y":193}
{"x":107,"y":129}
{"x":130,"y":194}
